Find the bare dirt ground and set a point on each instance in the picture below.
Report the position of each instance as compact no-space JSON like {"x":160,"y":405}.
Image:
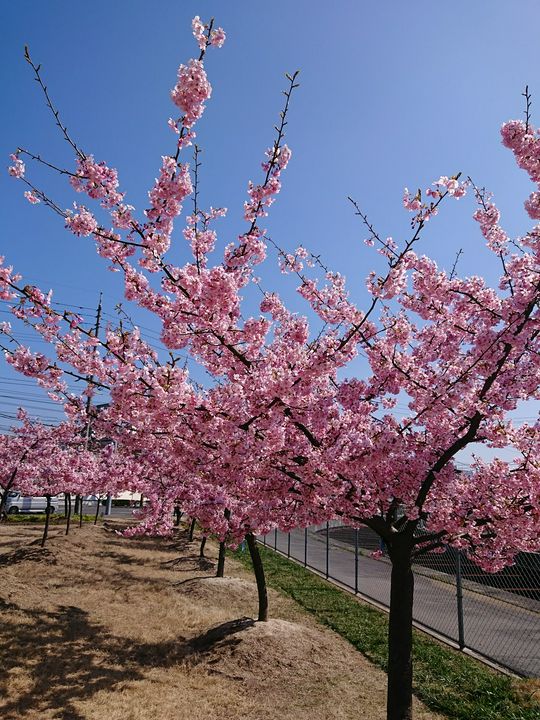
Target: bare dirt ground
{"x":100,"y":627}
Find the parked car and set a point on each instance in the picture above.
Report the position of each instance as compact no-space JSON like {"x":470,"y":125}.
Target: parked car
{"x":17,"y":503}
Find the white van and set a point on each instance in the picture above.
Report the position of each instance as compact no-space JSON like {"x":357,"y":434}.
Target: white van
{"x":17,"y":503}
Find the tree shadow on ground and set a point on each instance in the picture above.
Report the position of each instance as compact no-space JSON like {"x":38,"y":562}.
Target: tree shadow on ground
{"x":27,"y":552}
{"x":61,"y":656}
{"x":189,"y":562}
{"x":178,"y":542}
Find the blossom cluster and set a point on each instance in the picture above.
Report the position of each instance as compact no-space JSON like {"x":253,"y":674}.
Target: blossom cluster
{"x":81,"y":223}
{"x":16,"y":170}
{"x":97,"y":180}
{"x":191,"y":91}
{"x":200,"y":33}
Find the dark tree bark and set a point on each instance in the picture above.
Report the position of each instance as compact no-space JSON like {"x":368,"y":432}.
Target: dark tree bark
{"x":98,"y":505}
{"x":201,"y":550}
{"x":177,"y":515}
{"x":259,"y":577}
{"x":191,"y":530}
{"x":3,"y":500}
{"x":77,"y":503}
{"x":5,"y":492}
{"x":47,"y":516}
{"x":221,"y":557}
{"x":80,"y":510}
{"x":67,"y":500}
{"x":220,"y":570}
{"x":399,"y":700}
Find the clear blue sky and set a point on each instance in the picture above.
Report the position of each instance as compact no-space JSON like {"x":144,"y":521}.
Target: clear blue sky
{"x":392,"y":94}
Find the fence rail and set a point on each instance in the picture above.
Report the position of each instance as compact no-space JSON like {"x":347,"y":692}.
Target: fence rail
{"x":494,"y":615}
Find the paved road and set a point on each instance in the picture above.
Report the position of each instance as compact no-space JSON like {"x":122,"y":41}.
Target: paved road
{"x":502,"y":631}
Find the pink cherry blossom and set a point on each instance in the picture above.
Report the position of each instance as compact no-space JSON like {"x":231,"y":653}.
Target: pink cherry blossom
{"x":31,"y":197}
{"x":16,"y":170}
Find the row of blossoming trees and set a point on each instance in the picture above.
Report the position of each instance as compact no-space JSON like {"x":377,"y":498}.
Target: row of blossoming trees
{"x":279,"y":439}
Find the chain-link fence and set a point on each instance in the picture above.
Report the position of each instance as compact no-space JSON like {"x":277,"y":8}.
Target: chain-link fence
{"x":494,"y":615}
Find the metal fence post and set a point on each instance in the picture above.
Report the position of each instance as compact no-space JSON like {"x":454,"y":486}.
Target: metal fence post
{"x":459,"y":596}
{"x":327,"y":548}
{"x":289,"y":544}
{"x":275,"y":539}
{"x":305,"y":546}
{"x":356,"y":561}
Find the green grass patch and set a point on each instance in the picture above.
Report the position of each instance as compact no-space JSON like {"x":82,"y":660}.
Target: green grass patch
{"x":40,"y":518}
{"x":446,"y":680}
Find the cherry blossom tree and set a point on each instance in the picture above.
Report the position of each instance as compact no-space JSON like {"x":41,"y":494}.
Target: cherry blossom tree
{"x":279,"y":439}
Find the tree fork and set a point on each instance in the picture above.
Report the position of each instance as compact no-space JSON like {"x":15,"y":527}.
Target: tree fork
{"x":258,"y":569}
{"x":399,"y":700}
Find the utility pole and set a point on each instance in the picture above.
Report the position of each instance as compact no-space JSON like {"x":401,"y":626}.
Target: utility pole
{"x":89,"y":399}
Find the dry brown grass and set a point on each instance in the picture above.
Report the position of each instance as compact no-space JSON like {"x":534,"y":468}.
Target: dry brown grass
{"x":100,"y":627}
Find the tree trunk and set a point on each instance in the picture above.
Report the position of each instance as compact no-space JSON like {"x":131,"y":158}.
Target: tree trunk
{"x":3,"y":501}
{"x":47,"y":516}
{"x":191,"y":530}
{"x":203,"y":543}
{"x":80,"y":511}
{"x":177,"y":515}
{"x":220,"y":570}
{"x":259,"y":577}
{"x":399,"y":699}
{"x":221,"y":557}
{"x":68,"y":512}
{"x":5,"y":493}
{"x":97,"y":509}
{"x":77,"y":501}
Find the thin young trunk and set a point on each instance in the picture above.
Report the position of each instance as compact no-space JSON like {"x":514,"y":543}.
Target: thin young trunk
{"x":259,"y":576}
{"x":220,"y":570}
{"x":177,"y":515}
{"x":77,"y":501}
{"x":68,"y":512}
{"x":97,"y":509}
{"x":221,"y":557}
{"x":80,"y":511}
{"x":3,"y":501}
{"x":5,"y":493}
{"x":47,"y":516}
{"x":191,"y":530}
{"x":203,"y":543}
{"x":399,"y":699}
